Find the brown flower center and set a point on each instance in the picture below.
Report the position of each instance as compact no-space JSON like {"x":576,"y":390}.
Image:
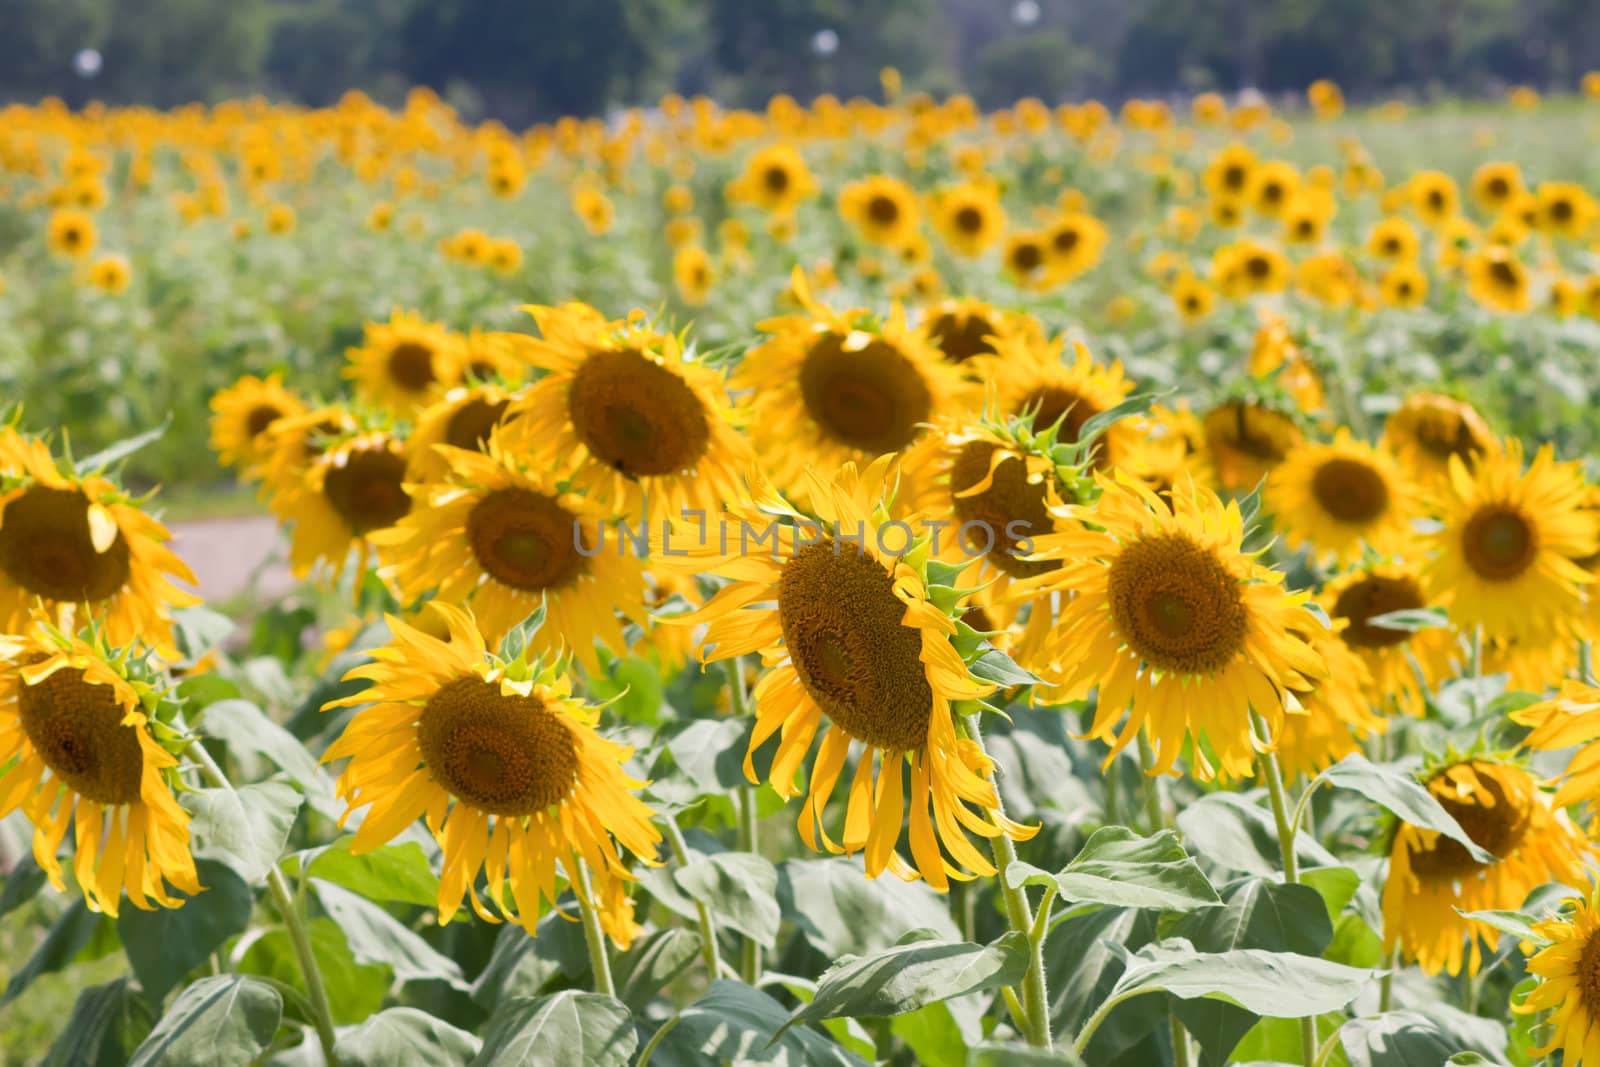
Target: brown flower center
{"x":1350,"y":490}
{"x":76,"y":727}
{"x":1176,"y":605}
{"x":636,"y":416}
{"x":873,"y":399}
{"x":1010,"y":499}
{"x":1499,"y":543}
{"x":960,"y":337}
{"x":525,"y":540}
{"x":505,"y":755}
{"x":1496,"y":823}
{"x":47,"y":548}
{"x":856,"y":658}
{"x":969,"y":220}
{"x":261,"y":416}
{"x":411,"y":366}
{"x":1370,"y":597}
{"x":473,"y":422}
{"x":368,"y":489}
{"x":883,"y":210}
{"x":1026,"y":257}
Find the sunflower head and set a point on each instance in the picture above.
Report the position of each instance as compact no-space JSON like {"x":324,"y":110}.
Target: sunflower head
{"x":882,"y":209}
{"x":466,"y":417}
{"x":404,"y":363}
{"x":353,"y":486}
{"x":1342,"y":498}
{"x":1567,"y":969}
{"x":1427,"y":429}
{"x":1246,"y":440}
{"x":243,"y":415}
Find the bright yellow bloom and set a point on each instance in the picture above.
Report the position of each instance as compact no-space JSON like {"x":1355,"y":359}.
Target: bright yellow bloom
{"x":1341,"y":499}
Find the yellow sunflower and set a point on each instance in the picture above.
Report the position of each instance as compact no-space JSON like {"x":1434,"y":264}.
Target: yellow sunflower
{"x":1497,"y":279}
{"x":969,"y":217}
{"x":71,"y":540}
{"x":1176,"y":624}
{"x":1073,"y":244}
{"x":1568,"y":970}
{"x":1338,"y":711}
{"x":1496,"y":184}
{"x":775,"y":179}
{"x":1227,"y":175}
{"x":1394,"y":239}
{"x":1193,"y":298}
{"x":882,"y":209}
{"x":1166,"y":447}
{"x":693,"y":274}
{"x":110,"y":274}
{"x":466,"y":417}
{"x":640,"y":422}
{"x":1404,"y":664}
{"x":855,"y":649}
{"x":1246,"y":440}
{"x":1025,"y":260}
{"x":962,"y":328}
{"x":1503,"y":558}
{"x":506,"y":766}
{"x":1029,"y":375}
{"x":291,"y":443}
{"x":1434,"y":197}
{"x":242,"y":415}
{"x":502,"y":539}
{"x":76,"y":740}
{"x":1404,"y":286}
{"x":405,"y":363}
{"x":351,"y":488}
{"x":1429,"y":428}
{"x":1501,"y":808}
{"x":71,"y":233}
{"x":1341,"y":498}
{"x":831,"y":387}
{"x":1568,"y":719}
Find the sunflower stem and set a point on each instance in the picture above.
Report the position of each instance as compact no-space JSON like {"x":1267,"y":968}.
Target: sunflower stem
{"x":655,"y":1039}
{"x":593,"y":937}
{"x":1035,"y":996}
{"x":744,"y":803}
{"x":708,"y":927}
{"x":293,"y":921}
{"x":1291,"y":863}
{"x":1152,"y":785}
{"x":1180,"y":1041}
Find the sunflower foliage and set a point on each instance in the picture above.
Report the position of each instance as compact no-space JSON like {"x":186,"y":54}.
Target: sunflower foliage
{"x":852,"y":583}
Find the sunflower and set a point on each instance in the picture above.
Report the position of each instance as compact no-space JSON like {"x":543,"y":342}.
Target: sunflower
{"x":1248,"y":268}
{"x":969,"y":217}
{"x":1176,"y":625}
{"x":109,"y":274}
{"x":244,"y":413}
{"x":1434,"y":197}
{"x":1227,"y":175}
{"x":693,"y":274}
{"x":1565,"y":209}
{"x":353,"y":486}
{"x":70,"y":540}
{"x":853,"y":644}
{"x":1404,"y":664}
{"x":1494,"y":185}
{"x":1504,"y":555}
{"x":292,"y":442}
{"x":1024,"y":259}
{"x":1073,"y":244}
{"x":1029,"y":375}
{"x":465,"y":417}
{"x":1432,"y":878}
{"x":1193,"y":298}
{"x":405,"y":363}
{"x":1341,"y":498}
{"x":775,"y":179}
{"x":498,"y":537}
{"x":1246,"y":440}
{"x":1272,"y":187}
{"x":1338,"y":712}
{"x":595,"y":209}
{"x":1532,"y":665}
{"x":77,"y":742}
{"x":505,"y":764}
{"x":640,"y":422}
{"x":1570,"y":718}
{"x":1497,"y":279}
{"x":1568,"y":972}
{"x":882,"y":209}
{"x":1427,"y":429}
{"x":834,"y":386}
{"x":1394,"y":239}
{"x":1164,"y":448}
{"x":71,"y":233}
{"x":963,"y":328}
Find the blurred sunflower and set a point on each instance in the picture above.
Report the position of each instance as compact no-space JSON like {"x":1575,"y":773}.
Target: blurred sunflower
{"x":1434,"y":197}
{"x":833,"y":386}
{"x":882,"y":209}
{"x":71,"y":233}
{"x":497,"y":537}
{"x":640,"y":422}
{"x":853,"y":644}
{"x":71,"y":540}
{"x":1496,"y":184}
{"x":693,"y":274}
{"x":1427,"y":429}
{"x":969,"y":218}
{"x":1567,"y":971}
{"x":244,"y":413}
{"x":1177,"y":625}
{"x":1504,"y":557}
{"x":964,"y":328}
{"x":1432,"y":879}
{"x":109,"y":274}
{"x":1342,"y":498}
{"x":76,"y":739}
{"x":353,"y":486}
{"x":1404,"y":663}
{"x":775,"y":179}
{"x":1497,"y":279}
{"x":405,"y":363}
{"x":1570,"y":718}
{"x":465,"y":417}
{"x":1565,"y":209}
{"x":1029,"y":375}
{"x":1246,"y":440}
{"x":1272,"y":187}
{"x":506,"y":766}
{"x":1394,"y":239}
{"x":1025,"y":259}
{"x":1193,"y":298}
{"x":1403,"y":286}
{"x":1227,"y":174}
{"x":1073,"y":244}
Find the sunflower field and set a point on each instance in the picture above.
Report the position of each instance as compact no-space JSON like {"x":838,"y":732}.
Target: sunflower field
{"x":861,"y":582}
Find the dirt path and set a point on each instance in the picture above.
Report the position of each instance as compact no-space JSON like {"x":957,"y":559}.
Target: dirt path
{"x":228,"y":555}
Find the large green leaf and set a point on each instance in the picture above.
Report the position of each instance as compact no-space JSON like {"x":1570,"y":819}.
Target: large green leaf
{"x":1233,"y":830}
{"x":21,"y":884}
{"x":1014,"y":1054}
{"x":107,"y":1022}
{"x":840,"y":912}
{"x":223,"y":1021}
{"x":164,"y":944}
{"x":1402,"y":794}
{"x":522,"y":966}
{"x":246,"y":828}
{"x":397,"y":873}
{"x":1284,"y":985}
{"x":652,"y":962}
{"x":564,"y":1028}
{"x":62,"y":942}
{"x":906,"y":977}
{"x":733,"y":1021}
{"x":355,"y":990}
{"x":1084,"y":957}
{"x":405,"y":1037}
{"x":377,"y":937}
{"x":1403,"y":1038}
{"x":710,"y":752}
{"x":1119,"y":868}
{"x":248,"y":732}
{"x":739,"y":889}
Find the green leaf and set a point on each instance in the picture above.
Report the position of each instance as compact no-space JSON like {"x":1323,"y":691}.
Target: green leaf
{"x":997,"y":667}
{"x":247,"y":731}
{"x":840,"y":912}
{"x":224,"y":1021}
{"x":1015,"y":1054}
{"x":164,"y":944}
{"x":906,"y":977}
{"x":246,"y":828}
{"x":933,"y":1035}
{"x":397,"y":873}
{"x":375,"y":936}
{"x":1411,"y":620}
{"x":632,"y":688}
{"x":1232,"y":830}
{"x":1283,"y":985}
{"x":521,"y":966}
{"x":739,"y":888}
{"x":1519,"y":924}
{"x":405,"y":1037}
{"x":733,"y":1021}
{"x":1337,"y":885}
{"x":1403,"y":1038}
{"x":710,"y":752}
{"x":107,"y":1022}
{"x":565,"y":1028}
{"x":653,"y":962}
{"x":62,"y":942}
{"x":355,"y":990}
{"x":1400,"y":793}
{"x":198,"y":630}
{"x":1119,"y":868}
{"x":22,"y":884}
{"x":122,"y":449}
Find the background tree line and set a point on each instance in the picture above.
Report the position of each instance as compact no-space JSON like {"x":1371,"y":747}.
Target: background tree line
{"x":522,"y":60}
